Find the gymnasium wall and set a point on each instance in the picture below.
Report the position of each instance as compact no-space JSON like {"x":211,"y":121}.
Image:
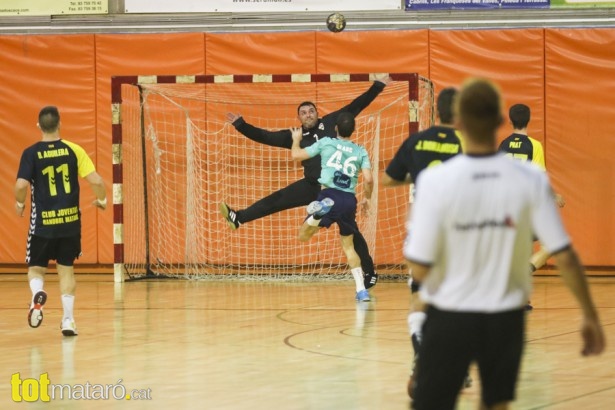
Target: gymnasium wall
{"x":564,"y":75}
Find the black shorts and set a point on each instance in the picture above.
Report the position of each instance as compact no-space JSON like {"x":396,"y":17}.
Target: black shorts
{"x":63,"y":250}
{"x":343,"y":212}
{"x":452,"y":340}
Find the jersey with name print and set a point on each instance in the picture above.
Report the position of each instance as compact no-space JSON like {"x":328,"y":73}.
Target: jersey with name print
{"x":473,"y":223}
{"x":53,"y":168}
{"x":341,"y":160}
{"x":523,"y":147}
{"x":424,"y":149}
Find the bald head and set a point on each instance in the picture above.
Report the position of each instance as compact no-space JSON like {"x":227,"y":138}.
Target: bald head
{"x":478,"y":111}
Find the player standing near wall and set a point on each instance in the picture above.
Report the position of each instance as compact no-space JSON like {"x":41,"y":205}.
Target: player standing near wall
{"x":51,"y":168}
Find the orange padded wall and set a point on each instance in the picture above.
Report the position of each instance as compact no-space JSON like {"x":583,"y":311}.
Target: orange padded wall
{"x":562,"y":74}
{"x":580,"y":101}
{"x":38,"y":71}
{"x":135,"y":54}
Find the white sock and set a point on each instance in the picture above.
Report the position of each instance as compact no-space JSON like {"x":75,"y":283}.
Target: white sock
{"x":67,"y":303}
{"x":415,"y":323}
{"x":313,"y":221}
{"x":36,"y":284}
{"x":357,"y":274}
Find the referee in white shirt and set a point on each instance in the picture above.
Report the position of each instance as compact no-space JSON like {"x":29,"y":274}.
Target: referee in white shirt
{"x":472,"y":231}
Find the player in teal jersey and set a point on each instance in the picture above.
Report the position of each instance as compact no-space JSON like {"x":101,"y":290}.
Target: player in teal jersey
{"x":342,"y":160}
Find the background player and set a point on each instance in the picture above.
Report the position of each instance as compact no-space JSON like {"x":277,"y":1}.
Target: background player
{"x":519,"y":145}
{"x":51,"y":168}
{"x":421,"y":150}
{"x":470,"y":237}
{"x":341,"y":161}
{"x":304,"y":191}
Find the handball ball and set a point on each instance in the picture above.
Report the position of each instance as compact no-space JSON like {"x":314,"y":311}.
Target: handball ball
{"x":336,"y":22}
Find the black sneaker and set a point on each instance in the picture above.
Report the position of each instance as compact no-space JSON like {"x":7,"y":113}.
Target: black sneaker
{"x":229,"y":215}
{"x":35,"y":314}
{"x":370,"y":280}
{"x":413,"y":375}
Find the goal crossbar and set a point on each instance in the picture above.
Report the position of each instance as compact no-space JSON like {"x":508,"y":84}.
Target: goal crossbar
{"x":418,"y":115}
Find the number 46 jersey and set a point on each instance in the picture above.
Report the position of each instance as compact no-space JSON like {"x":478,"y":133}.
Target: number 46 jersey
{"x":342,"y":160}
{"x":53,"y":168}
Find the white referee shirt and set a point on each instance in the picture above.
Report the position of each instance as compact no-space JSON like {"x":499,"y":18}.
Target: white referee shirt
{"x":473,"y":221}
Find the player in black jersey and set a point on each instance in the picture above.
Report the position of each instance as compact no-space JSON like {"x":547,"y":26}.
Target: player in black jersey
{"x":304,"y":191}
{"x":51,"y":168}
{"x":419,"y":151}
{"x":519,"y":145}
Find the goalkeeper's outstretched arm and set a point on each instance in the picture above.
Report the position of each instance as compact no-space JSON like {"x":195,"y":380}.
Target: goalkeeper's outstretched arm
{"x":280,"y":139}
{"x":362,"y":101}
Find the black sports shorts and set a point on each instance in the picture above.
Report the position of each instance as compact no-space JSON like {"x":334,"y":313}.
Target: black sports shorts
{"x":63,"y":250}
{"x":452,"y":340}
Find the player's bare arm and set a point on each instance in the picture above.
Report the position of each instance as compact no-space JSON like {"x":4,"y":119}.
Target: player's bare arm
{"x":21,"y":190}
{"x":368,"y":188}
{"x":98,"y":186}
{"x":296,"y":152}
{"x":573,"y":274}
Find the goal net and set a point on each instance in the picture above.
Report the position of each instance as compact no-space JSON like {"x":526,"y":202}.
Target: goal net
{"x":176,"y":158}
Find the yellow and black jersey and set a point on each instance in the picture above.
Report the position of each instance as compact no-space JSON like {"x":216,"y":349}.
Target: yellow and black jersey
{"x":53,"y":168}
{"x":522,"y":147}
{"x":422,"y":150}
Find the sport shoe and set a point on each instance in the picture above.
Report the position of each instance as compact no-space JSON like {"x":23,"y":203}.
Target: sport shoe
{"x":370,"y":280}
{"x":320,"y":208}
{"x":416,"y":343}
{"x":362,"y":296}
{"x":229,"y":215}
{"x":467,"y":382}
{"x":68,"y":327}
{"x":412,"y":380}
{"x":35,"y":316}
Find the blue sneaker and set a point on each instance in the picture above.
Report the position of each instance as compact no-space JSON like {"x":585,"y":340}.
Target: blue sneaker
{"x":320,"y":208}
{"x":362,"y":296}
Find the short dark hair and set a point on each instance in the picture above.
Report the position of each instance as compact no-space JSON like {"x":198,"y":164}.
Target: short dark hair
{"x":49,"y":119}
{"x":519,"y":115}
{"x":445,"y":104}
{"x":345,"y":124}
{"x":304,"y":103}
{"x":479,"y":109}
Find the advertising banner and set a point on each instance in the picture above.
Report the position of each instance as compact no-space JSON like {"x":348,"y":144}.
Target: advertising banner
{"x":52,"y":7}
{"x":238,"y":6}
{"x":412,"y":5}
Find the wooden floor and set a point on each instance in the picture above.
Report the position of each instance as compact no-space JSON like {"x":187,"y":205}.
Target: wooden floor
{"x":204,"y":345}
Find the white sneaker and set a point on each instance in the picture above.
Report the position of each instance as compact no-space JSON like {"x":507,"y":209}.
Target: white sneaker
{"x":68,"y":327}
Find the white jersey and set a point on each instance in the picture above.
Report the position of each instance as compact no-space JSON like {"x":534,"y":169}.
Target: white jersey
{"x":473,"y":222}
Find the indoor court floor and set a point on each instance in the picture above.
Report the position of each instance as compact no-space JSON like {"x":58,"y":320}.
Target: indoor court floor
{"x":177,"y":344}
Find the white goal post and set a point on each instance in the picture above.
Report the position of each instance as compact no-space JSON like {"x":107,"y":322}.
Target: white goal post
{"x":176,"y":157}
